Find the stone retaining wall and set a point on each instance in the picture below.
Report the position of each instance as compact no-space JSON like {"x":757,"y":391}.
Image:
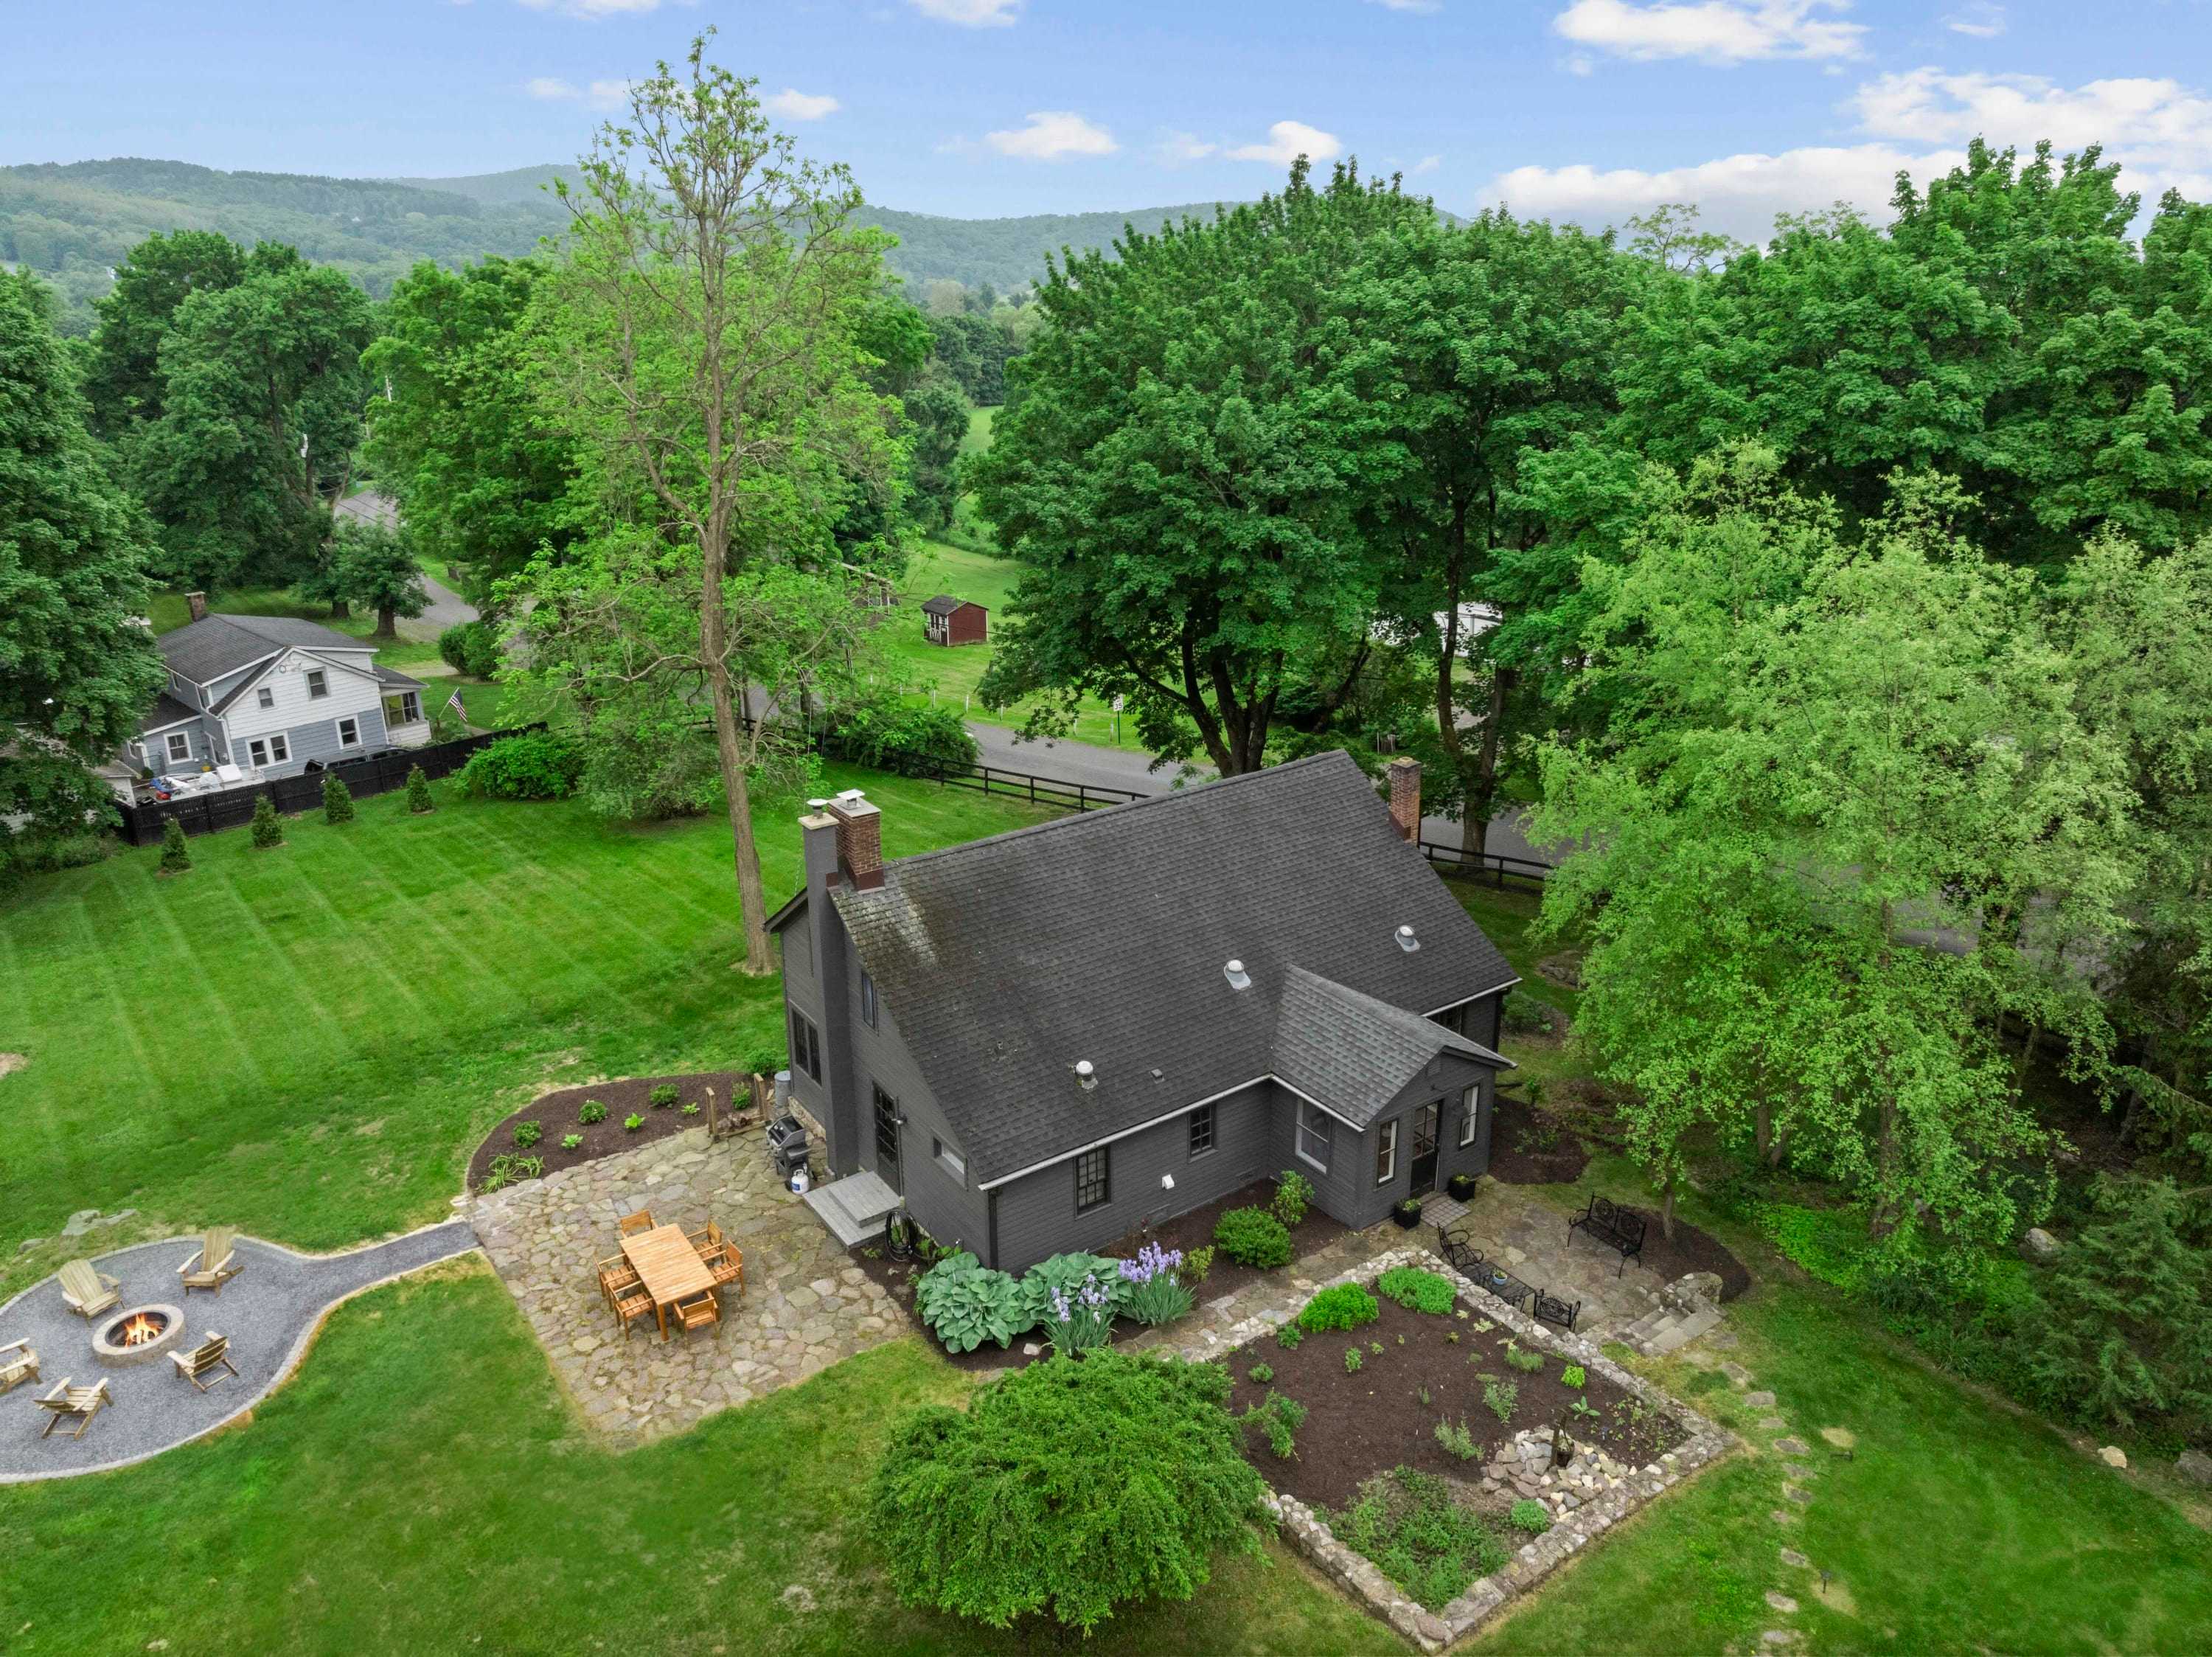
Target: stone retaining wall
{"x":1583,"y":1504}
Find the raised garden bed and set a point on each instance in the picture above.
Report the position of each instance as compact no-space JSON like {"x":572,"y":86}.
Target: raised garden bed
{"x":555,"y":1114}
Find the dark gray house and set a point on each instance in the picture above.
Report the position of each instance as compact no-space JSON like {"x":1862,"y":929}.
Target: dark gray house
{"x":1044,"y":1039}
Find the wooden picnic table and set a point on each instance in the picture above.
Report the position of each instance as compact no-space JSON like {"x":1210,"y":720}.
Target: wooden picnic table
{"x":669,"y":1267}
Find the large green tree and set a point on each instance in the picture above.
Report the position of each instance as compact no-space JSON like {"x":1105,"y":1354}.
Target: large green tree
{"x":124,"y":382}
{"x":77,"y":667}
{"x":1182,"y":469}
{"x":372,"y":564}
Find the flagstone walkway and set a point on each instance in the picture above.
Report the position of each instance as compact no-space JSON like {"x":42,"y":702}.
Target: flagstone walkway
{"x":805,"y":1305}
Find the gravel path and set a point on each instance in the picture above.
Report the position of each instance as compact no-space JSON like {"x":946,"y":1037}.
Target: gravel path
{"x":268,"y":1311}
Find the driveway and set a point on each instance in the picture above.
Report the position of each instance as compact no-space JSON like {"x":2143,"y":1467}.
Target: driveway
{"x":448,"y":608}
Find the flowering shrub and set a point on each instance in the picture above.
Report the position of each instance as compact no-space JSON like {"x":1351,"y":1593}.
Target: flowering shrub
{"x":1063,"y":1275}
{"x":1081,"y":1320}
{"x":1345,"y":1306}
{"x":1156,"y":1293}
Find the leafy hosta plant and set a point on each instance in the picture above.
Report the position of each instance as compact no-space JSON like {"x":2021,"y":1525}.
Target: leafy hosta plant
{"x":964,"y":1303}
{"x":1155,"y":1290}
{"x":1064,"y":1274}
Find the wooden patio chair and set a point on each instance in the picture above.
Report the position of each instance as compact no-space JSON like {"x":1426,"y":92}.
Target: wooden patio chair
{"x":617,"y":1276}
{"x":723,"y":1260}
{"x":698,"y":1312}
{"x":19,"y":1362}
{"x":630,"y":1307}
{"x":215,"y":1264}
{"x":86,"y":1292}
{"x":630,"y":1224}
{"x":198,"y":1365}
{"x":79,"y":1403}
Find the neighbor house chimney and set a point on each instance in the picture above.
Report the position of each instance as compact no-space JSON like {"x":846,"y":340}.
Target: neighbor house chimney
{"x":197,"y":603}
{"x":1405,"y":777}
{"x":860,"y":840}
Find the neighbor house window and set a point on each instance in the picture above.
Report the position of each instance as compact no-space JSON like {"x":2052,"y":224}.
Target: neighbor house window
{"x":180,"y":746}
{"x":806,"y":1045}
{"x":867,"y":1001}
{"x":269,"y":751}
{"x":1091,"y":1189}
{"x":1202,"y":1130}
{"x":349,"y":733}
{"x":1470,"y":1109}
{"x":1313,"y":1135}
{"x":264,"y":698}
{"x":318,"y":683}
{"x":955,"y":1163}
{"x":411,"y":707}
{"x":1386,"y":1154}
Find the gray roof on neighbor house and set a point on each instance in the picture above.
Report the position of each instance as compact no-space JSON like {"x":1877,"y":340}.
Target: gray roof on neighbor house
{"x":1351,"y":1053}
{"x":944,"y":604}
{"x":1103,"y":937}
{"x":395,"y":679}
{"x":204,"y":650}
{"x":167,"y":711}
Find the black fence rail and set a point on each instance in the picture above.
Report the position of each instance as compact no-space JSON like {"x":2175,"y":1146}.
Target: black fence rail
{"x":1461,"y":865}
{"x":1038,"y":790}
{"x":377,"y":773}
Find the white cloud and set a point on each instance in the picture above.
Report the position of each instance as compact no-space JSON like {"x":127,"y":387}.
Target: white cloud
{"x":1426,"y":164}
{"x":970,"y":13}
{"x":1582,"y":64}
{"x":1287,"y":142}
{"x":1181,"y":149}
{"x":1979,"y":19}
{"x":595,"y":8}
{"x":1053,"y":134}
{"x":548,"y":86}
{"x":1724,"y":32}
{"x":1409,"y":5}
{"x":796,"y":106}
{"x":600,"y":94}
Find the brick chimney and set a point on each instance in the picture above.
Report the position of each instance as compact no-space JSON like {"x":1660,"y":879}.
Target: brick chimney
{"x":1405,"y":777}
{"x":860,"y":840}
{"x":197,"y":603}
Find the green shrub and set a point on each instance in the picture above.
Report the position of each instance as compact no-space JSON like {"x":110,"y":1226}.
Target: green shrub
{"x":1456,"y":1438}
{"x":590,"y":1111}
{"x":1280,"y":1417}
{"x":1407,"y":1524}
{"x":176,"y":855}
{"x":570,"y":1141}
{"x":418,"y":791}
{"x":1572,"y":1376}
{"x":1353,"y":1359}
{"x":1289,"y":1336}
{"x":1260,"y":1374}
{"x":536,"y":765}
{"x":663,"y":1096}
{"x":1417,"y":1290}
{"x":338,"y":799}
{"x":692,"y":1109}
{"x":1252,"y":1237}
{"x":1530,"y":1515}
{"x":1065,"y":1274}
{"x":1294,"y":1194}
{"x":1527,"y":1362}
{"x":633,"y":1122}
{"x":1524,"y":1016}
{"x":267,"y":826}
{"x":527,"y":1134}
{"x":1502,"y":1397}
{"x":1196,"y":1263}
{"x":471,"y":647}
{"x":1348,"y":1306}
{"x":964,"y":1303}
{"x":1021,"y":1505}
{"x":914,"y":740}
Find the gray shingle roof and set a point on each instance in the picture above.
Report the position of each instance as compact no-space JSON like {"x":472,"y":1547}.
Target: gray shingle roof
{"x":1353,"y":1053}
{"x":944,"y":604}
{"x":395,"y":679}
{"x":1103,"y":937}
{"x":165,"y":710}
{"x":203,"y":651}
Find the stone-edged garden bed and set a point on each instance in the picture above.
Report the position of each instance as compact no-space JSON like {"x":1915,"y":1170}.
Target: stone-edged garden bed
{"x":559,"y":1116}
{"x":1581,"y":1501}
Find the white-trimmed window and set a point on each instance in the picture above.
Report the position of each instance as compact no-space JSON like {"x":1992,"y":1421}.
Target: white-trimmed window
{"x":1313,"y":1135}
{"x":264,"y":698}
{"x":269,"y":751}
{"x":318,"y":683}
{"x":349,"y":733}
{"x":953,"y":1162}
{"x":1470,"y":1112}
{"x":179,"y":745}
{"x":1386,"y":1154}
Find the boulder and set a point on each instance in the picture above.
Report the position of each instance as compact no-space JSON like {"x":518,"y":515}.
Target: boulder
{"x":2112,"y":1456}
{"x":2040,"y":1246}
{"x":2195,"y":1466}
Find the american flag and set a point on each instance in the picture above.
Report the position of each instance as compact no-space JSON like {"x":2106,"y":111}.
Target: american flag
{"x":455,"y":702}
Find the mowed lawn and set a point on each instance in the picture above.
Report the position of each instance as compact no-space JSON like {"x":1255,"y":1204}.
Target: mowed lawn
{"x":308,"y":1042}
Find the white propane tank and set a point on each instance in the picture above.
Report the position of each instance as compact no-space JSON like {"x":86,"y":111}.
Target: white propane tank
{"x":798,"y":1180}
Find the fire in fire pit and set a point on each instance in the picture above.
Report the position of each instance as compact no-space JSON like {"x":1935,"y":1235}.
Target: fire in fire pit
{"x":141,"y":1328}
{"x":135,"y":1335}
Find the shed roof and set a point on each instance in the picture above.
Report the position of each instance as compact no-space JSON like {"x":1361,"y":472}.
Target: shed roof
{"x":944,"y":604}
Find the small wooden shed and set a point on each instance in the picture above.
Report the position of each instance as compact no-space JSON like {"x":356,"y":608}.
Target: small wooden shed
{"x":947,"y":620}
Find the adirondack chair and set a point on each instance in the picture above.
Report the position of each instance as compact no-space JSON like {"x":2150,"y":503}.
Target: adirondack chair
{"x":80,"y":1404}
{"x":198,"y":1365}
{"x":86,"y":1292}
{"x":214,"y":1264}
{"x":18,"y":1363}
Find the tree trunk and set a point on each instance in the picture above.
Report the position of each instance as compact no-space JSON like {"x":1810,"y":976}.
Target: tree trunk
{"x":1666,"y":1210}
{"x":1781,"y":1144}
{"x":1482,"y":789}
{"x":340,"y":609}
{"x":1762,"y":1117}
{"x":387,"y":622}
{"x":713,"y":641}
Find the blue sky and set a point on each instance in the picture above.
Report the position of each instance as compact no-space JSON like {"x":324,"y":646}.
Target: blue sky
{"x":1584,"y":109}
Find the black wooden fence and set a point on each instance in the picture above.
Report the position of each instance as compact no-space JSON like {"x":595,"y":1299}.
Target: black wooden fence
{"x":1038,"y":790}
{"x":377,"y":773}
{"x":1492,"y":866}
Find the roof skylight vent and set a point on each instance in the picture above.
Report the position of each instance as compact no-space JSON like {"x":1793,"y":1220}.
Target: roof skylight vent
{"x":1406,"y":941}
{"x":1237,"y":976}
{"x":1086,"y":1074}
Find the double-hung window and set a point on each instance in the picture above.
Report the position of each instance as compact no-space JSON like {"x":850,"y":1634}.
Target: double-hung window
{"x":806,"y":1045}
{"x":1202,"y":1130}
{"x":264,"y":698}
{"x":1386,"y":1154}
{"x":1470,"y":1112}
{"x":1313,"y":1135}
{"x":269,"y":751}
{"x":318,"y":683}
{"x":179,"y":744}
{"x":349,"y":733}
{"x":1092,"y":1188}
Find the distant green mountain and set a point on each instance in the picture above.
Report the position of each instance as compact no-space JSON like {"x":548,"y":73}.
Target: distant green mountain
{"x":74,"y":222}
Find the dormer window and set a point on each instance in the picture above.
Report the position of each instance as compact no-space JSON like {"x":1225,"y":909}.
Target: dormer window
{"x":318,"y":683}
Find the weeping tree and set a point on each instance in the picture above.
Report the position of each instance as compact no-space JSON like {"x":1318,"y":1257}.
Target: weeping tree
{"x":706,"y":353}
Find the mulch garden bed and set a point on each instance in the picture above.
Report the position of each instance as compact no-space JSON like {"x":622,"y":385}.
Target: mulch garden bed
{"x":555,"y":1114}
{"x":1530,"y":1147}
{"x":1691,"y":1250}
{"x":1365,"y":1421}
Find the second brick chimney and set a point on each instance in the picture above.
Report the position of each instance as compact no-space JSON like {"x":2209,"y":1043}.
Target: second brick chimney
{"x":197,"y":603}
{"x":860,"y":840}
{"x":1405,"y":777}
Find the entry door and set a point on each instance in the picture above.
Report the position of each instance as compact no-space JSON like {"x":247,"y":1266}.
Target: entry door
{"x":1425,"y":1146}
{"x":887,"y":1143}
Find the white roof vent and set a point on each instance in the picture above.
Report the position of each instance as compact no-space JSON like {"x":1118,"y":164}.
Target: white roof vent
{"x":817,"y":805}
{"x":1086,"y":1074}
{"x":1406,"y":941}
{"x":1237,"y":976}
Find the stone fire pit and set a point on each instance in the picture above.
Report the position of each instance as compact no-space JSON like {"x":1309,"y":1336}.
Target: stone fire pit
{"x":128,"y":1338}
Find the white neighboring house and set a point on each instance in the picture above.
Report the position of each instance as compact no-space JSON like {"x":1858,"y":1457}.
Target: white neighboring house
{"x":268,"y":696}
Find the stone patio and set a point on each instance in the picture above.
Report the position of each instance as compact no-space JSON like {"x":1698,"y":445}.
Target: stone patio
{"x":805,"y":1305}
